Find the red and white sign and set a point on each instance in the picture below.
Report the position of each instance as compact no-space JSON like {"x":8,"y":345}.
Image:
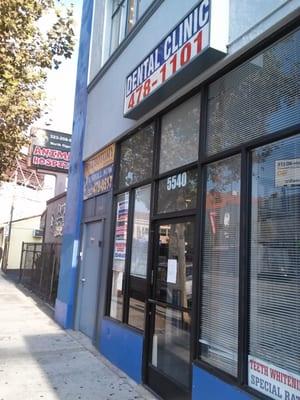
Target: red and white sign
{"x":276,"y":383}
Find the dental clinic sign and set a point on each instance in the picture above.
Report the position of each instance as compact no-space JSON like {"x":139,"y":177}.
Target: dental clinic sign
{"x":275,"y":382}
{"x":174,"y":54}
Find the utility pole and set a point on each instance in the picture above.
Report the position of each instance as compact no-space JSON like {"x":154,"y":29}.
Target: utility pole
{"x":10,"y":222}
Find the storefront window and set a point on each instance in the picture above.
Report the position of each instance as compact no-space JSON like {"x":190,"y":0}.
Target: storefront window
{"x":136,"y":157}
{"x":119,"y":257}
{"x":180,"y":135}
{"x":274,"y":346}
{"x":220,"y":290}
{"x":177,"y":192}
{"x":139,"y":257}
{"x":260,"y":97}
{"x":140,"y":238}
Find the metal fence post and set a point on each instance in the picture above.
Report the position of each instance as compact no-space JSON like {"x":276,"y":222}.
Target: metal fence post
{"x":21,"y":263}
{"x":53,"y":265}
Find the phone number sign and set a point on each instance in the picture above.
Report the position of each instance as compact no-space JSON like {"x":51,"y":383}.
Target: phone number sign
{"x":98,"y":173}
{"x":182,"y":45}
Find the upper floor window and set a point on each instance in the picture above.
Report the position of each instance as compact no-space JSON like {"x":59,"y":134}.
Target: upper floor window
{"x":125,"y":14}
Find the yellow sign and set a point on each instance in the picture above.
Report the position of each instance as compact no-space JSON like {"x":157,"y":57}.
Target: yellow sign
{"x":98,"y":172}
{"x":100,"y":160}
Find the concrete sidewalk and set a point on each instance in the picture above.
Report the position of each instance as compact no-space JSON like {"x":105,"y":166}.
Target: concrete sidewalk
{"x":39,"y":360}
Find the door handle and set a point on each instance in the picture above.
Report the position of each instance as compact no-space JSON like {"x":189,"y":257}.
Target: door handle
{"x":83,"y":280}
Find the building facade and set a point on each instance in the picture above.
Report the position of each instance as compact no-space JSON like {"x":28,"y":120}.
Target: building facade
{"x":21,"y":230}
{"x":181,"y":242}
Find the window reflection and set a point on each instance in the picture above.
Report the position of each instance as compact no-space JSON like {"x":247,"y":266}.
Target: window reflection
{"x":171,"y":344}
{"x":177,"y":192}
{"x":275,"y":255}
{"x":175,"y":264}
{"x":136,"y":157}
{"x":180,"y":135}
{"x":220,"y":292}
{"x":260,"y":97}
{"x":140,"y":238}
{"x":139,"y":257}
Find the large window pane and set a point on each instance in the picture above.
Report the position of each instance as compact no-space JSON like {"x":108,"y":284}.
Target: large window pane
{"x":132,"y":14}
{"x":139,"y":257}
{"x":175,"y":264}
{"x":136,"y":157}
{"x":139,"y":250}
{"x":118,"y":24}
{"x":180,"y":135}
{"x":275,"y":260}
{"x":177,"y":192}
{"x":171,"y":344}
{"x":119,"y":257}
{"x":220,"y":293}
{"x":260,"y":97}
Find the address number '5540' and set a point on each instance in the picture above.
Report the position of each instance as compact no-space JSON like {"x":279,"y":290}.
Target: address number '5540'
{"x":177,"y":181}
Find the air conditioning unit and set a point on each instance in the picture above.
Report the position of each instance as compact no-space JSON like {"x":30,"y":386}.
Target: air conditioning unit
{"x":37,"y":233}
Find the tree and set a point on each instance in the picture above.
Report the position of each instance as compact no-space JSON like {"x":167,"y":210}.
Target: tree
{"x":27,"y":52}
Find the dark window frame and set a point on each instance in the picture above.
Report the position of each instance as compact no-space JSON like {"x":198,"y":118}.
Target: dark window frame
{"x":244,"y":149}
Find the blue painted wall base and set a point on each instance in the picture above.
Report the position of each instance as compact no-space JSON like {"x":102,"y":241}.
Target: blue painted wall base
{"x":123,"y":347}
{"x":209,"y":387}
{"x":63,"y":314}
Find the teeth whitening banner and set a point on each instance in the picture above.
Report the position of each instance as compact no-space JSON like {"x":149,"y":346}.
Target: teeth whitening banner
{"x":185,"y":42}
{"x":274,"y":382}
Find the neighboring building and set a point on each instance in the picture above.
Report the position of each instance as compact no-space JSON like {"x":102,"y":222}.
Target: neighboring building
{"x":22,"y":230}
{"x":53,"y":219}
{"x":180,"y":256}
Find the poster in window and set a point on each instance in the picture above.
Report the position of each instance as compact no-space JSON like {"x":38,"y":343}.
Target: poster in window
{"x":287,"y":172}
{"x":273,"y":381}
{"x":121,"y":229}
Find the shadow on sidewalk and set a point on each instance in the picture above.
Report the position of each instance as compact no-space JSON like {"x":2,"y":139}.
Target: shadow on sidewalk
{"x":12,"y":278}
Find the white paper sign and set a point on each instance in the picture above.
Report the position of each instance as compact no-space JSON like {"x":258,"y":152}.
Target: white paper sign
{"x":287,"y":172}
{"x":172,"y":271}
{"x":74,"y":254}
{"x":275,"y":382}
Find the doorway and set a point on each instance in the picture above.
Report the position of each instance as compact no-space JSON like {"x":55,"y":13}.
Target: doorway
{"x":89,"y":277}
{"x":168,"y":358}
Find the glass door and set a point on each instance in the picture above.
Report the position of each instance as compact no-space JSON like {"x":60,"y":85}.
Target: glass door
{"x":169,"y":366}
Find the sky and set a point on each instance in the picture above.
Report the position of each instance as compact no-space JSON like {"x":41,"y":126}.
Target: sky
{"x":60,"y":86}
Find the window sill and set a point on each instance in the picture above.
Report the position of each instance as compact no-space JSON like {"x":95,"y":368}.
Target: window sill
{"x":116,"y":54}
